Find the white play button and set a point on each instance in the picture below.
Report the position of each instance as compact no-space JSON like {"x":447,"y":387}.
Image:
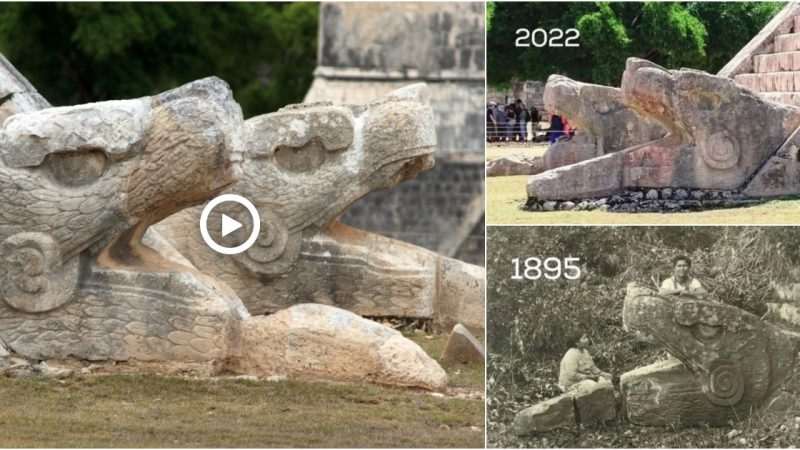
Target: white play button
{"x":229,"y":225}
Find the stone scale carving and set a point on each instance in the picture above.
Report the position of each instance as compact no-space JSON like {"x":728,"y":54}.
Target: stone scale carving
{"x":82,"y":185}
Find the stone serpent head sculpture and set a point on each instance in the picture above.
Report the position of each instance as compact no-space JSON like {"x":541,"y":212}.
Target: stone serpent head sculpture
{"x":604,"y":123}
{"x":732,"y":362}
{"x":720,"y":135}
{"x":82,"y":184}
{"x":304,"y":165}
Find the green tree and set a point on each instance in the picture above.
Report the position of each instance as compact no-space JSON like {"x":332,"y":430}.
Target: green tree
{"x":698,"y":35}
{"x":85,"y":52}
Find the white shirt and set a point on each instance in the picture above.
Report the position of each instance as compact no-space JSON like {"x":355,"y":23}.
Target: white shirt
{"x":692,"y":287}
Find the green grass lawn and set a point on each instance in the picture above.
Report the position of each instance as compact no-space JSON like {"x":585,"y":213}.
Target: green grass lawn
{"x":505,"y":194}
{"x":155,"y":411}
{"x":494,"y":151}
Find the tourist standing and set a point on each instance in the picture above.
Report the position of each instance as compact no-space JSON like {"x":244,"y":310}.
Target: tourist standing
{"x":499,"y":122}
{"x":522,"y":120}
{"x":556,"y":128}
{"x":511,"y":116}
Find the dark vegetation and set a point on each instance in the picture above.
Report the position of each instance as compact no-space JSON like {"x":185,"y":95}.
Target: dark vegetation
{"x":86,"y":52}
{"x":528,"y":321}
{"x":699,"y":35}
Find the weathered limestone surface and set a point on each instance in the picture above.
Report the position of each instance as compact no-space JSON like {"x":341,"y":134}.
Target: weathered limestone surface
{"x":514,"y":164}
{"x":774,"y":82}
{"x":598,"y":177}
{"x":83,"y":184}
{"x":588,"y":404}
{"x":304,"y":166}
{"x":738,"y":362}
{"x":777,"y":62}
{"x":780,"y":175}
{"x":667,"y":393}
{"x":729,"y":131}
{"x":462,"y":347}
{"x":320,"y":342}
{"x":787,"y":42}
{"x":595,"y":403}
{"x":420,"y":37}
{"x":604,"y":122}
{"x":789,"y":98}
{"x":557,"y":412}
{"x":570,"y":151}
{"x":720,"y":134}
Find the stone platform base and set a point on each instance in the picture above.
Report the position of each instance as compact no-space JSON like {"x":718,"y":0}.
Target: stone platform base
{"x":649,"y":200}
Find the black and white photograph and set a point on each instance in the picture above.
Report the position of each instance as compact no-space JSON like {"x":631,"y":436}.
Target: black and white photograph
{"x":643,"y":337}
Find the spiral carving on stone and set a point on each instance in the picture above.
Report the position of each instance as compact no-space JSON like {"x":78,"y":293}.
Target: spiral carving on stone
{"x":276,"y":248}
{"x":725,"y":385}
{"x":721,"y":150}
{"x":32,"y":277}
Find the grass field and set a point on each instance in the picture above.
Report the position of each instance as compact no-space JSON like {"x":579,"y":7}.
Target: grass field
{"x":494,"y":151}
{"x":154,"y":411}
{"x":505,"y":194}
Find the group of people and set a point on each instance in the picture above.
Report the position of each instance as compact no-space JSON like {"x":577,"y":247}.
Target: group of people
{"x":577,"y":366}
{"x":510,"y":123}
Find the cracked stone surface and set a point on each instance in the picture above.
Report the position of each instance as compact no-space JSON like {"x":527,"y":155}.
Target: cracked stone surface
{"x":720,"y":134}
{"x":83,"y":279}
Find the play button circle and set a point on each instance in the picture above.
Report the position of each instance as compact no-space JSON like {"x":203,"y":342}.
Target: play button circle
{"x":229,"y":225}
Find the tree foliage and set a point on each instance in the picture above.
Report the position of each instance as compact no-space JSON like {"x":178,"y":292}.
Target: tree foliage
{"x":698,"y":35}
{"x":84,"y":52}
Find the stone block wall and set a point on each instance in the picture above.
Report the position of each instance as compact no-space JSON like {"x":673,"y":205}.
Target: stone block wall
{"x":530,"y":92}
{"x":421,"y":40}
{"x":367,"y":50}
{"x":442,"y":210}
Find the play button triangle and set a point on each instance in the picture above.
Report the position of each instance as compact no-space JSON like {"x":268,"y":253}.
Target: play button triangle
{"x":229,"y":225}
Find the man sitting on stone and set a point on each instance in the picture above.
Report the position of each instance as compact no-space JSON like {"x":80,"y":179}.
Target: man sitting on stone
{"x":578,"y":368}
{"x":680,"y":283}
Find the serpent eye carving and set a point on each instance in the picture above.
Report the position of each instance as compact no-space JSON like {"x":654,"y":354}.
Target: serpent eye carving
{"x":687,"y":313}
{"x":301,"y":159}
{"x":705,"y":100}
{"x":703,"y":332}
{"x":75,"y":168}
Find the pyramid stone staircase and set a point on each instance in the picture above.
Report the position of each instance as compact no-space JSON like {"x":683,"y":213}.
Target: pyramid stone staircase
{"x":770,"y":63}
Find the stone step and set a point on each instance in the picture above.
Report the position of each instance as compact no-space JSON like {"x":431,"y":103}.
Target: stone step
{"x":777,"y":62}
{"x":770,"y":82}
{"x":796,"y":27}
{"x":787,"y":42}
{"x":787,"y":98}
